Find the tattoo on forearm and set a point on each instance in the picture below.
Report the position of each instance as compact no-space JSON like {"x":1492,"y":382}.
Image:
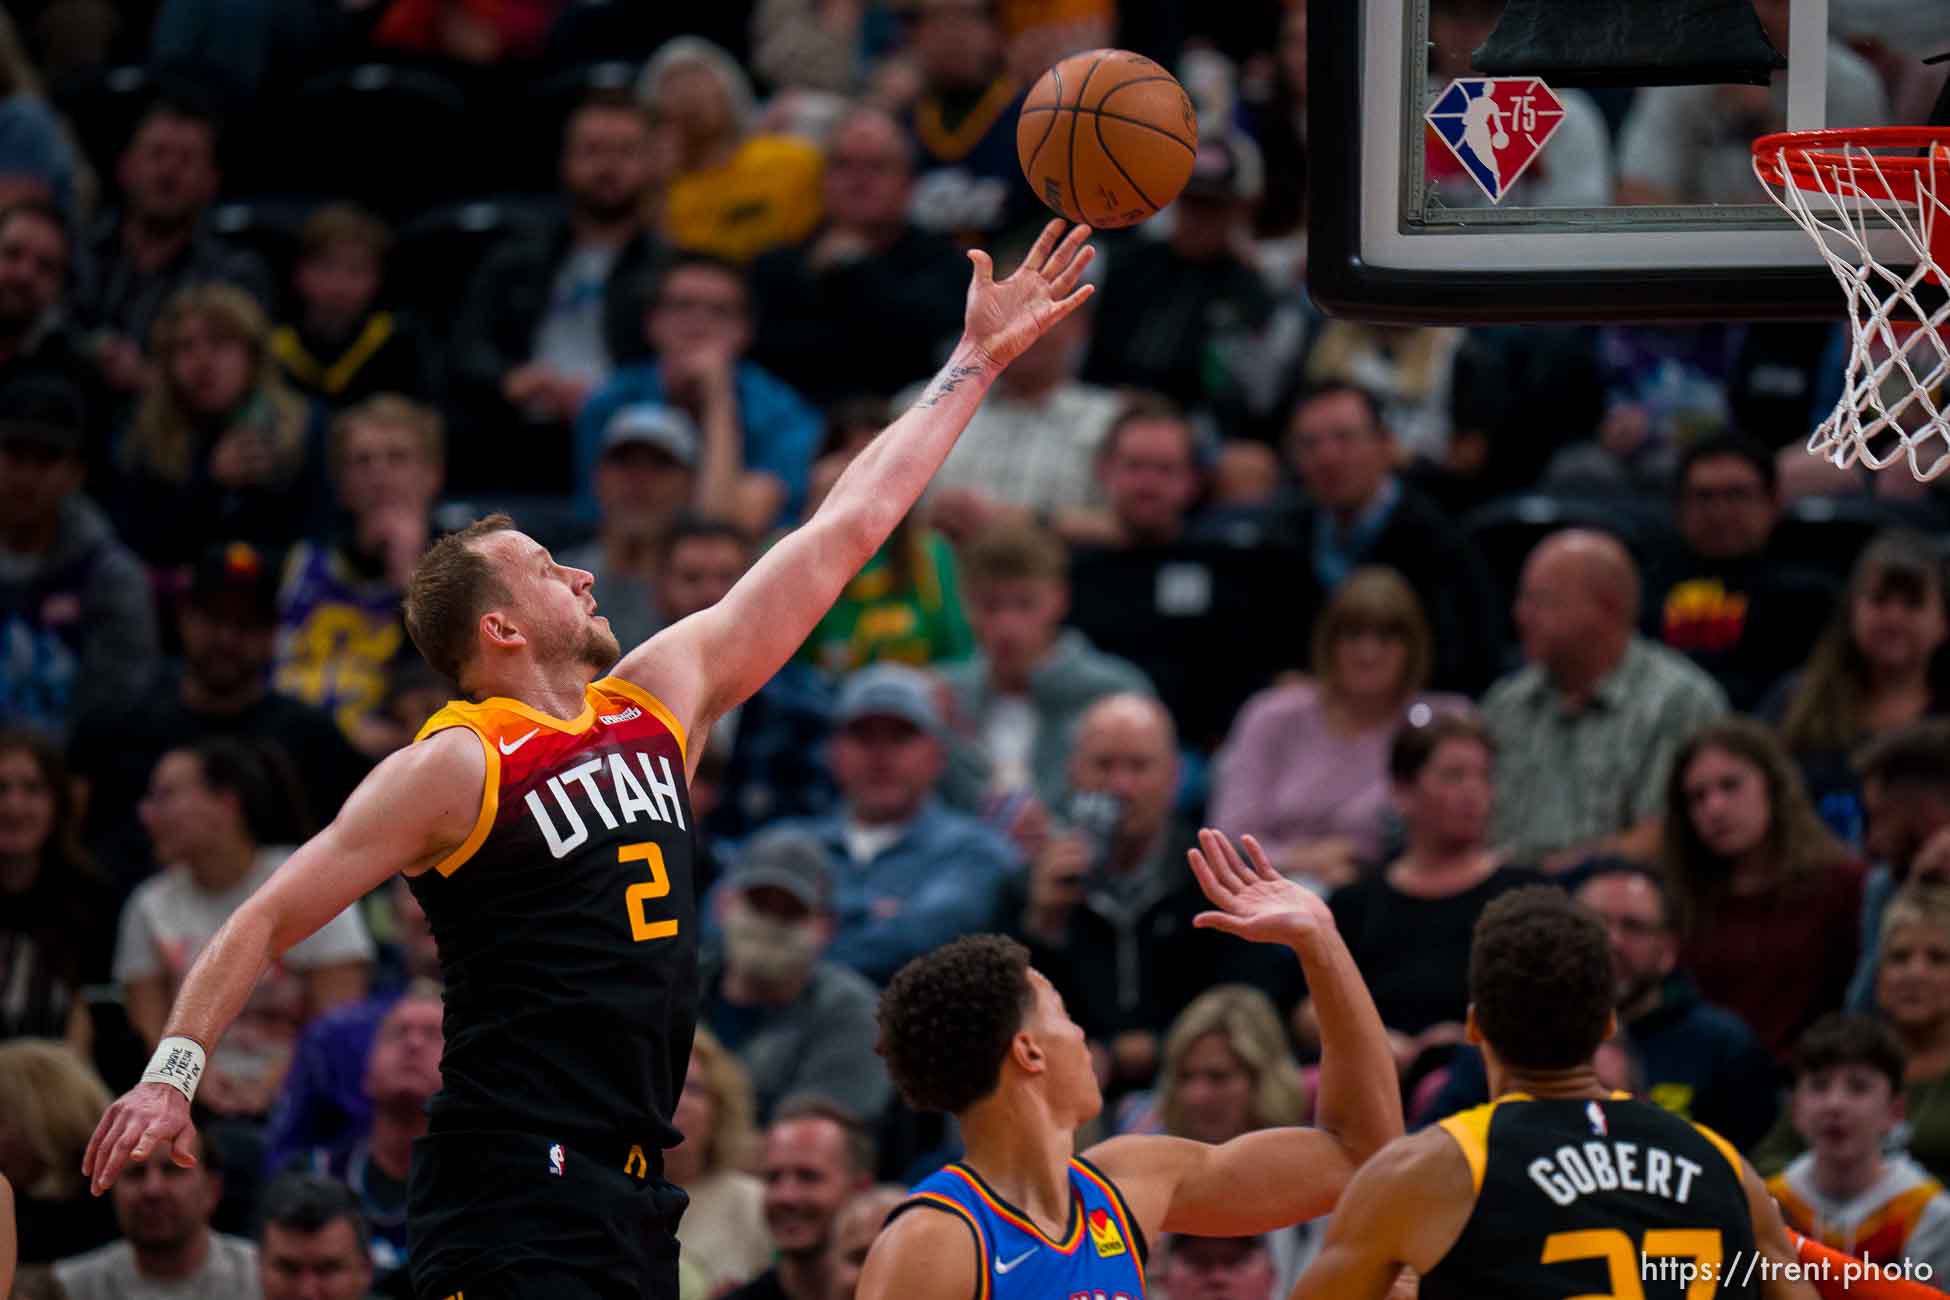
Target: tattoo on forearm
{"x":947,"y":384}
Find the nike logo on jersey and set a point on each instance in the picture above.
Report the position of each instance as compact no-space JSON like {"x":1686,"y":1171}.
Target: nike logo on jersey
{"x":510,"y":746}
{"x":1004,"y":1265}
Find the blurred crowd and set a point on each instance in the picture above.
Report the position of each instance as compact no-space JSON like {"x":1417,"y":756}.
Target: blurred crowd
{"x":289,"y":289}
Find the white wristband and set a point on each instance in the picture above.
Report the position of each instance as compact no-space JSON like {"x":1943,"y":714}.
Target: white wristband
{"x":178,"y":1062}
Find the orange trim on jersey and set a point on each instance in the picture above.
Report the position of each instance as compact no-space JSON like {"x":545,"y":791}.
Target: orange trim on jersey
{"x":961,"y":1212}
{"x":629,"y":690}
{"x":1004,"y":1212}
{"x":1116,"y":1200}
{"x":1725,"y":1148}
{"x":490,"y":786}
{"x":1470,"y":1131}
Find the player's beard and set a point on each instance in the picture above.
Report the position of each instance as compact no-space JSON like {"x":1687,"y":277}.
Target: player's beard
{"x":599,"y":649}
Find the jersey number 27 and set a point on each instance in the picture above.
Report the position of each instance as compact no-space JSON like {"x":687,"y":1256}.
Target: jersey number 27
{"x":1626,"y":1265}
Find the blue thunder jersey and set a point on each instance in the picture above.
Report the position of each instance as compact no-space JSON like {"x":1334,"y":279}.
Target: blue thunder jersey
{"x":1101,"y":1256}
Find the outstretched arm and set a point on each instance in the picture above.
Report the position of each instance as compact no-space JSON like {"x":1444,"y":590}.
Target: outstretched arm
{"x":1405,"y":1208}
{"x":415,"y":808}
{"x":1280,"y":1176}
{"x":711,"y":662}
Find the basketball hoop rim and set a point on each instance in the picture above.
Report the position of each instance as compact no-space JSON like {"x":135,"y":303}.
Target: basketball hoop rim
{"x":1798,"y":159}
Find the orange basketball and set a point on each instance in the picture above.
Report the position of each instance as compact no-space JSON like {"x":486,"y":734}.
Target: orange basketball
{"x":1107,"y":138}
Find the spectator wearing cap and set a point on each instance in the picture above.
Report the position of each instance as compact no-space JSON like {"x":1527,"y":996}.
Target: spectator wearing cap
{"x":800,"y":1023}
{"x":645,"y":479}
{"x":75,"y":607}
{"x":340,"y":634}
{"x":1219,"y":1268}
{"x":756,"y":431}
{"x":211,"y":812}
{"x":909,"y":873}
{"x":345,"y":345}
{"x":36,"y":255}
{"x":764,"y":760}
{"x":228,"y":627}
{"x":552,"y":311}
{"x":156,"y":244}
{"x":869,"y":303}
{"x":1180,"y":315}
{"x":220,"y":446}
{"x":313,"y":1242}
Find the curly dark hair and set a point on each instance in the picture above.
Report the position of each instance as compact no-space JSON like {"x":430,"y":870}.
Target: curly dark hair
{"x":947,"y":1018}
{"x":1540,"y":979}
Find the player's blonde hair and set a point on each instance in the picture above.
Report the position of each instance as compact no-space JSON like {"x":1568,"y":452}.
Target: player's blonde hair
{"x":55,"y":1100}
{"x":1245,"y":1019}
{"x":734,"y":1135}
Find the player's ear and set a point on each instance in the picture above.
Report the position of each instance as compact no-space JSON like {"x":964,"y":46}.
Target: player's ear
{"x":497,"y":629}
{"x":1611,"y":1026}
{"x":1472,"y":1032}
{"x":1027,"y":1053}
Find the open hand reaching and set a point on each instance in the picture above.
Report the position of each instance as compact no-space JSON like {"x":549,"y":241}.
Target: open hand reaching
{"x":1250,"y":898}
{"x":1006,"y":316}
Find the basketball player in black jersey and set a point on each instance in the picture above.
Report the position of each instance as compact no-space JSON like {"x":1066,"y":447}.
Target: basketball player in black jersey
{"x":1558,"y":1187}
{"x":545,"y":825}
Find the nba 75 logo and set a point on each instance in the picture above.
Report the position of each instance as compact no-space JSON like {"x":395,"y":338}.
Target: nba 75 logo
{"x":1496,"y":127}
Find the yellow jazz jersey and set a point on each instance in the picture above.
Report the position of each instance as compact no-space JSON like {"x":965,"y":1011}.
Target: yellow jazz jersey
{"x":566,"y":924}
{"x":1609,"y":1197}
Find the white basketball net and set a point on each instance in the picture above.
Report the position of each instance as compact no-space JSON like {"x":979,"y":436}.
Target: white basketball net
{"x":1893,"y":391}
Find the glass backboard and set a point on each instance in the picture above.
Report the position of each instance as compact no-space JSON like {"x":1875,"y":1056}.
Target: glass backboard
{"x":1602,"y":171}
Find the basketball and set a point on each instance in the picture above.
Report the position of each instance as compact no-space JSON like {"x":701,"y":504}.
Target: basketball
{"x":1107,"y":138}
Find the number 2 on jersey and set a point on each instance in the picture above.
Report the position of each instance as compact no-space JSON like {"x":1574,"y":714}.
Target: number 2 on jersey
{"x":642,"y":928}
{"x":1625,"y":1264}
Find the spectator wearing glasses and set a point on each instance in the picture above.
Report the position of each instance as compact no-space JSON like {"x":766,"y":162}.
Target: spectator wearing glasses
{"x":1697,"y":1058}
{"x":1720,"y":599}
{"x":757,"y":430}
{"x":1305,"y":768}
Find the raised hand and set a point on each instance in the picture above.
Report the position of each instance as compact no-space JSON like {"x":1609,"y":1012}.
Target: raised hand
{"x":1251,"y":899}
{"x":1006,"y":316}
{"x":147,"y":1118}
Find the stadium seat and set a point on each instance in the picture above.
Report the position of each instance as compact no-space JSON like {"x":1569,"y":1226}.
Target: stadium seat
{"x":268,"y":227}
{"x":1507,"y":529}
{"x":398,"y":134}
{"x":1827,"y":533}
{"x":532,"y":123}
{"x":103,"y":106}
{"x":438,"y":251}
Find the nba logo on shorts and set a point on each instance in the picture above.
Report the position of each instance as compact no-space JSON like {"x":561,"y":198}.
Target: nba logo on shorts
{"x":555,"y":1159}
{"x":1495,"y":127}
